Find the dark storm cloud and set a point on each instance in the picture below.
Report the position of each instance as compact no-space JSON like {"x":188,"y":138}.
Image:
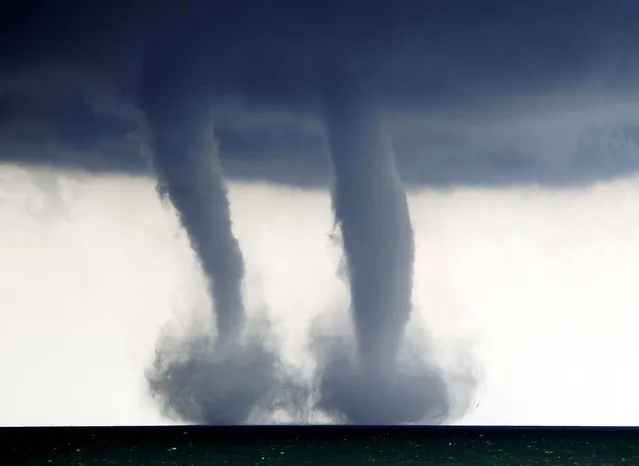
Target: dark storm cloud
{"x":428,"y":58}
{"x":419,"y":52}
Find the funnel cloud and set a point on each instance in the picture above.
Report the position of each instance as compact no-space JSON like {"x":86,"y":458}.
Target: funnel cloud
{"x":369,"y":202}
{"x":203,"y":379}
{"x":189,"y":175}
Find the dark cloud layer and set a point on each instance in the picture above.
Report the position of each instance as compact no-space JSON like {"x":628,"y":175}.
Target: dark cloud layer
{"x":429,"y":58}
{"x":416,"y":51}
{"x":69,"y":134}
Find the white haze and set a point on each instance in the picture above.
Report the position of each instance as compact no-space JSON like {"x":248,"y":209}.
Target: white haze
{"x":536,"y":288}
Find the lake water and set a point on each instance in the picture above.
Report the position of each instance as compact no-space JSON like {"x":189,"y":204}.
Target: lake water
{"x":319,"y":446}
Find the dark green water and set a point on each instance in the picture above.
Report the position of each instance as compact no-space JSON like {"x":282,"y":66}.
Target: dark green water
{"x":318,"y":446}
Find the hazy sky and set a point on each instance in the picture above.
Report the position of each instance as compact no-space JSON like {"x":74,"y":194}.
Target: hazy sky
{"x":534,"y":288}
{"x":516,"y":130}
